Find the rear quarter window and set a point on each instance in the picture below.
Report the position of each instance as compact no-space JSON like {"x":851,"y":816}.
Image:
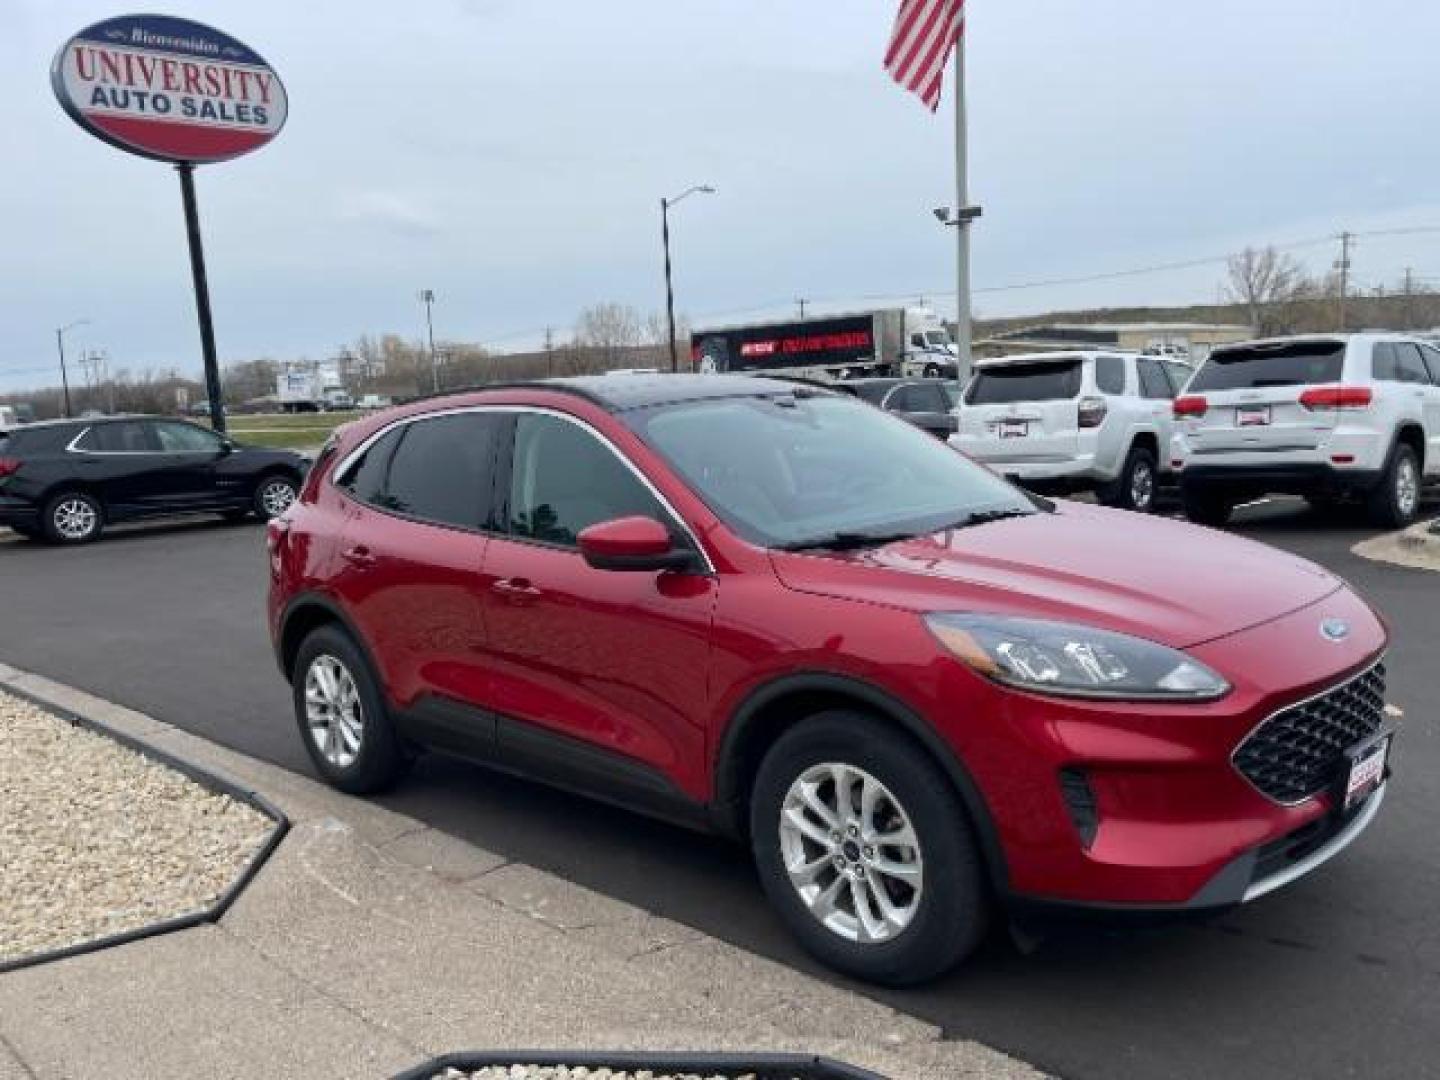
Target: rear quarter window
{"x":1110,"y":375}
{"x":1252,"y":367}
{"x":1049,"y":380}
{"x":36,"y":441}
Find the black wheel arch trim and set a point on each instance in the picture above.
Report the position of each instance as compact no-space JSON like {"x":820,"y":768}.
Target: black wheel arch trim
{"x":314,"y":601}
{"x":729,"y":783}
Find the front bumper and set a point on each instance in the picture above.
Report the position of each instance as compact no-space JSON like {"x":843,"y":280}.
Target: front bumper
{"x":1175,"y":826}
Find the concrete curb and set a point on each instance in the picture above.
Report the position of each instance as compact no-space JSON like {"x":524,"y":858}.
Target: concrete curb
{"x":372,"y":943}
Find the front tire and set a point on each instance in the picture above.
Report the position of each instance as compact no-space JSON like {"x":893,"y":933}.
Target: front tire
{"x":274,"y":495}
{"x":72,"y":517}
{"x":1395,"y":501}
{"x":343,"y":721}
{"x":1208,"y":507}
{"x":1134,"y":489}
{"x":865,"y":850}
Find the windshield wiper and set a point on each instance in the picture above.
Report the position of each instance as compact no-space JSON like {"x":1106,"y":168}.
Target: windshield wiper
{"x":983,"y":517}
{"x":846,"y":541}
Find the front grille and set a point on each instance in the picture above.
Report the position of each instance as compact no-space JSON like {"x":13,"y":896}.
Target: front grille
{"x":1297,"y":752}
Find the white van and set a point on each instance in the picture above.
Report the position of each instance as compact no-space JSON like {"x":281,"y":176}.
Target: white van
{"x":9,"y":419}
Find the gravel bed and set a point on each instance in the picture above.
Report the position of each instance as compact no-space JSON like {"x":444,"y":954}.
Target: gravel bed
{"x":579,"y":1072}
{"x":96,"y":839}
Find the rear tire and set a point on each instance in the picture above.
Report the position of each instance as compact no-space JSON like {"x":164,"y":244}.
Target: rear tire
{"x":1134,"y":489}
{"x":1394,"y":503}
{"x":928,"y":929}
{"x":1208,"y":506}
{"x":346,"y":729}
{"x":72,"y":517}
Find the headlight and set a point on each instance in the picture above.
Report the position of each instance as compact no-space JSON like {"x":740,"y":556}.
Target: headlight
{"x":1074,"y":661}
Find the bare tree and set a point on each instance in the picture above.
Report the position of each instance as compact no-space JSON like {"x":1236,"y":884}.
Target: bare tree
{"x":1267,"y":283}
{"x":610,"y":329}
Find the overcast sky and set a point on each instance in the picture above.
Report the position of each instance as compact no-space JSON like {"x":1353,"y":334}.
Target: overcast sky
{"x":511,"y":155}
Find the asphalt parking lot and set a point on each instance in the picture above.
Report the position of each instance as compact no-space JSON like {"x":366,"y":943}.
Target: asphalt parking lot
{"x":1337,"y":976}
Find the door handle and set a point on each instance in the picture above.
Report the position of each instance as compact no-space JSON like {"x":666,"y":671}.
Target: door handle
{"x":358,"y":556}
{"x":516,"y":590}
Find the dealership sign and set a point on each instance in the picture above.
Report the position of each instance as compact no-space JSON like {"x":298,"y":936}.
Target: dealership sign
{"x":169,"y":89}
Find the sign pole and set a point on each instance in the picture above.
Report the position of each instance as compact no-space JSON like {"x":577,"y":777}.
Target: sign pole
{"x":963,"y":360}
{"x":202,"y":297}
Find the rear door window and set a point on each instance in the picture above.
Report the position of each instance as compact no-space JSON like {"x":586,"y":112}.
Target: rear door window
{"x":1431,"y":356}
{"x":442,"y":470}
{"x":1396,"y":361}
{"x":1252,"y":367}
{"x":1153,"y":382}
{"x":1046,"y":380}
{"x":1179,"y":373}
{"x":1110,"y":374}
{"x":126,"y":437}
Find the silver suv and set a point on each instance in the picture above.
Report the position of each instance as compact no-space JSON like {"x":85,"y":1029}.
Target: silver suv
{"x":1327,"y":417}
{"x":1075,"y":421}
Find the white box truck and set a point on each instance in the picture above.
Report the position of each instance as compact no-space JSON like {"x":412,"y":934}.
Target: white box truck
{"x":910,"y":342}
{"x":311,"y":388}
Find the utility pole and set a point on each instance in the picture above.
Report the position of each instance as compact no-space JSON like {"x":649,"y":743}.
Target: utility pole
{"x":427,"y":297}
{"x":60,"y":347}
{"x":1343,"y":265}
{"x":1409,"y":308}
{"x":800,"y":302}
{"x":549,"y":352}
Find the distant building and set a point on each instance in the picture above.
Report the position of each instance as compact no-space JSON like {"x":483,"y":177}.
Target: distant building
{"x":1186,"y":339}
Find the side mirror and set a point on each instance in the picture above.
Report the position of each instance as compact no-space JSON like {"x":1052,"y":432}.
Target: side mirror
{"x":633,"y":543}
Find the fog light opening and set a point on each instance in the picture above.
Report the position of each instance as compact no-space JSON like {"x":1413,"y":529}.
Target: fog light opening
{"x":1080,"y":801}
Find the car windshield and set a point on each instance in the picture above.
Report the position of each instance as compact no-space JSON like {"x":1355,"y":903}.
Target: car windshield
{"x":1252,"y":367}
{"x":937,"y":337}
{"x":821,"y":470}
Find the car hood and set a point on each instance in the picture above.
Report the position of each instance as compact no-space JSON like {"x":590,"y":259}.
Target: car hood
{"x":1167,"y":581}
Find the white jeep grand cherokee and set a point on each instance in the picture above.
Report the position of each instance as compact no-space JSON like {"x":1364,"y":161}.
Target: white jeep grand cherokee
{"x":1327,"y":417}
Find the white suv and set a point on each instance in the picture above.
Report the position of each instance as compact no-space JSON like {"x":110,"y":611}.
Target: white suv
{"x":1064,"y":422}
{"x":1326,"y":417}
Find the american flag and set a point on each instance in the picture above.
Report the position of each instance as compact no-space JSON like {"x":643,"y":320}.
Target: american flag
{"x":925,"y":32}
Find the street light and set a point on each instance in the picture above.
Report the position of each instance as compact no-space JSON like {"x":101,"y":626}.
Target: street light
{"x":60,"y":346}
{"x":427,"y":297}
{"x":665,"y":204}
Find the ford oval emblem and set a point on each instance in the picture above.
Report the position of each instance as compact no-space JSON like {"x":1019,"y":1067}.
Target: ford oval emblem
{"x":1334,"y":629}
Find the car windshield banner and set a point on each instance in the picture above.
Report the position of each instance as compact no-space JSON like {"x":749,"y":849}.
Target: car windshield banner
{"x":169,"y":89}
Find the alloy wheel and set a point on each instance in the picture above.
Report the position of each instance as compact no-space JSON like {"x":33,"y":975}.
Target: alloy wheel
{"x":1142,"y":486}
{"x":851,"y":853}
{"x":276,"y":496}
{"x":1407,"y":487}
{"x":333,"y":712}
{"x":75,"y":519}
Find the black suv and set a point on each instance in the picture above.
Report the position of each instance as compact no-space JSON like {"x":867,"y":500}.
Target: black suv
{"x":67,"y":479}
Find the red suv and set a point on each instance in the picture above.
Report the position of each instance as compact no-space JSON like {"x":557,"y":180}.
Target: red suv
{"x":775,"y":611}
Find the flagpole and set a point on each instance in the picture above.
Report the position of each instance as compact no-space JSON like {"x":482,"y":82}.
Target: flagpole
{"x":962,"y":226}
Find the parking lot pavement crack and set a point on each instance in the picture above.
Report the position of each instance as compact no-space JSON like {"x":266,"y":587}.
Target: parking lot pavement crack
{"x":279,"y":965}
{"x":9,"y":1048}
